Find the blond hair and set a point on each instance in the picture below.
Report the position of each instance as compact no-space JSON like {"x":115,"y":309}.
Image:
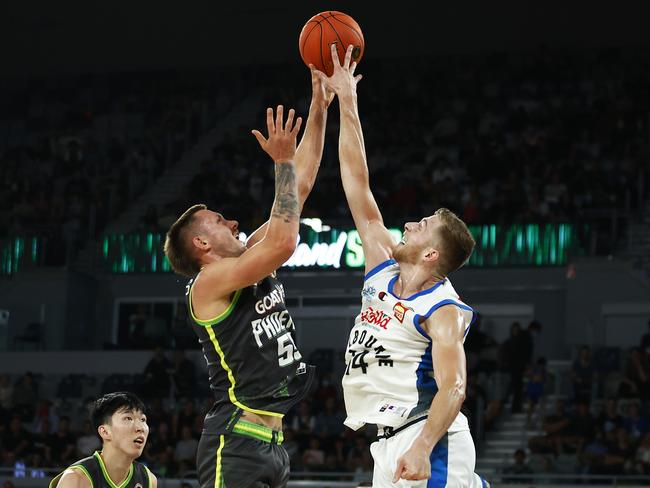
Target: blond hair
{"x":456,"y":239}
{"x":177,"y":249}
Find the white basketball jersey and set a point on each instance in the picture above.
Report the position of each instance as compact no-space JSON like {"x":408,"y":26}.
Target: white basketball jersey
{"x":389,"y":375}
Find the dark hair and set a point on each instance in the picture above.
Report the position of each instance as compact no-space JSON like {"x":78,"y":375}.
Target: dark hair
{"x":457,"y":241}
{"x":104,"y":407}
{"x":176,"y":247}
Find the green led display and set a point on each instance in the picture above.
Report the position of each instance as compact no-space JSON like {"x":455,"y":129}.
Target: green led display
{"x":496,"y":245}
{"x":19,"y":252}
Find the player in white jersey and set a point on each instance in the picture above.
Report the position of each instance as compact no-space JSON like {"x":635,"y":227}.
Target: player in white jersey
{"x":405,"y":358}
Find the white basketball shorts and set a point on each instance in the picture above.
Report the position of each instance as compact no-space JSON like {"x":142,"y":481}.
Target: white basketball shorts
{"x":452,"y":460}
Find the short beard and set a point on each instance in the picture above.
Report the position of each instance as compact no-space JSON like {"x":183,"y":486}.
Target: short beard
{"x":402,"y":254}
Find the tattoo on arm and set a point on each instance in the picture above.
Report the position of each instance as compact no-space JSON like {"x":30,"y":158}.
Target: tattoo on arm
{"x":285,"y":206}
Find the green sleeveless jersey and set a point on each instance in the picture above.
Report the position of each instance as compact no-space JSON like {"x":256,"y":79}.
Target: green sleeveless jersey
{"x":94,"y":469}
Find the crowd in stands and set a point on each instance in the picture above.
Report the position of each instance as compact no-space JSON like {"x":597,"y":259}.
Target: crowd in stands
{"x":600,"y":426}
{"x":76,"y":151}
{"x":523,"y":137}
{"x":531,"y":137}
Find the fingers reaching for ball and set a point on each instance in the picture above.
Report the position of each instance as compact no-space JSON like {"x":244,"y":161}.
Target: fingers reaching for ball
{"x":281,"y":141}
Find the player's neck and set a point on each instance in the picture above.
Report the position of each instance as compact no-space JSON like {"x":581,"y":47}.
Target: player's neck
{"x":414,"y":279}
{"x":117,"y":464}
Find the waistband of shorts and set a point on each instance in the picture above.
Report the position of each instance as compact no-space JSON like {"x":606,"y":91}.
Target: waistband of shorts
{"x":387,"y":432}
{"x":257,"y":431}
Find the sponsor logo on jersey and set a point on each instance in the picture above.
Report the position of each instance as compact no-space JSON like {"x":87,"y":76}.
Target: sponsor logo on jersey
{"x":394,"y":409}
{"x":399,"y":311}
{"x":368,"y":292}
{"x":377,"y":317}
{"x":272,"y":325}
{"x":382,"y":295}
{"x":271,"y":300}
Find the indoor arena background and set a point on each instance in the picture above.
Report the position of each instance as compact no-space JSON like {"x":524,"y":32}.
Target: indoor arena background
{"x":530,"y":120}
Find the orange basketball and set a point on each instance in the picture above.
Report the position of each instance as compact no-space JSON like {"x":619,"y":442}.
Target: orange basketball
{"x":326,"y":28}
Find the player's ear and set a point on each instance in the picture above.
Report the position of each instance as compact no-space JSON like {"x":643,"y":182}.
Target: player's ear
{"x":200,"y":242}
{"x":431,"y":255}
{"x":104,"y":432}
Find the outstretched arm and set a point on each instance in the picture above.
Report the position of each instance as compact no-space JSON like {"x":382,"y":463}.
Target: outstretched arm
{"x":310,"y":149}
{"x":220,"y":278}
{"x":377,"y":241}
{"x":446,"y":328}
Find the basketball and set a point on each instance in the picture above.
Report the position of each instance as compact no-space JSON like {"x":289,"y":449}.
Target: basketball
{"x":326,"y":28}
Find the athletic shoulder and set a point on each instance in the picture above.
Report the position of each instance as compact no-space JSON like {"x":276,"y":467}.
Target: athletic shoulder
{"x":72,"y":478}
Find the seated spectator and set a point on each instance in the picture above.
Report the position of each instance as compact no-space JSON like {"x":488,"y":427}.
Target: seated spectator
{"x":620,"y":452}
{"x":556,"y":427}
{"x":26,"y":397}
{"x":313,"y":458}
{"x":304,"y":422}
{"x":610,"y":420}
{"x":62,"y":444}
{"x":184,"y":418}
{"x":634,"y":423}
{"x":581,"y":429}
{"x":637,"y":376}
{"x":184,"y":375}
{"x":518,"y":467}
{"x":329,"y":423}
{"x":583,"y":375}
{"x":593,"y":454}
{"x":185,"y":450}
{"x":535,"y":386}
{"x":156,"y":376}
{"x":15,"y":441}
{"x":88,"y":442}
{"x":642,"y":457}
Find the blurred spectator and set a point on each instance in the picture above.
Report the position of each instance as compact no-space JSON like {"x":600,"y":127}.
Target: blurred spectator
{"x":581,"y":429}
{"x":556,"y":427}
{"x":42,"y":436}
{"x":314,"y":457}
{"x":477,"y":345}
{"x":519,"y":467}
{"x":183,"y":374}
{"x":645,"y":341}
{"x":184,"y":418}
{"x":88,"y":442}
{"x":62,"y":445}
{"x":515,"y":356}
{"x":535,"y":386}
{"x":156,"y":376}
{"x":642,"y":458}
{"x":26,"y":396}
{"x":16,"y":441}
{"x":303,"y":422}
{"x":531,"y":335}
{"x":636,"y":425}
{"x":329,"y":423}
{"x":610,"y":420}
{"x":583,"y":375}
{"x":185,"y":450}
{"x":637,"y":376}
{"x":183,"y":336}
{"x":6,"y":393}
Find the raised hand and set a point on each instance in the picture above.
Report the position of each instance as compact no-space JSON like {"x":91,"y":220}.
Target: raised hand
{"x":321,"y":94}
{"x":342,"y":82}
{"x":281,"y":142}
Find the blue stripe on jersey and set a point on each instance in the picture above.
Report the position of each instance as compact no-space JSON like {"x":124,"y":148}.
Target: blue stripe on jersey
{"x":378,"y":268}
{"x":471,"y":322}
{"x":425,"y":382}
{"x":482,"y":482}
{"x":391,"y":284}
{"x":439,"y":463}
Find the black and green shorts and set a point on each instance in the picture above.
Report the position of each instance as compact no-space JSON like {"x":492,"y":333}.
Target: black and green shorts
{"x":250,"y":457}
